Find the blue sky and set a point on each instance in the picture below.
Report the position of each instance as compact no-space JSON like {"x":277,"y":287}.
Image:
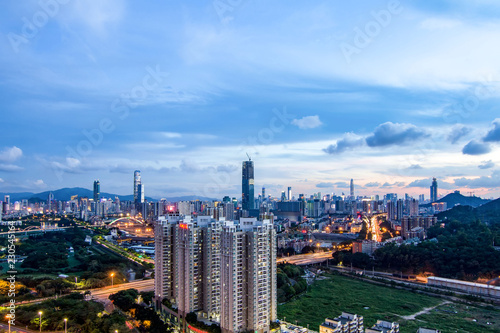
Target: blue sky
{"x":390,"y":93}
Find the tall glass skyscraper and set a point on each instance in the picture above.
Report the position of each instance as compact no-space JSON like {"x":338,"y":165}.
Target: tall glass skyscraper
{"x":434,"y":190}
{"x":137,"y":182}
{"x":247,"y":186}
{"x":97,"y":190}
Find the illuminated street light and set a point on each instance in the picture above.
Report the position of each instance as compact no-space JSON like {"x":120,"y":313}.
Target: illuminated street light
{"x":65,"y":325}
{"x":40,"y":315}
{"x":8,"y":319}
{"x":112,"y":275}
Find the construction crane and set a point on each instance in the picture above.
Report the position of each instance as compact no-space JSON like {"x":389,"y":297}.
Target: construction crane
{"x":249,"y":158}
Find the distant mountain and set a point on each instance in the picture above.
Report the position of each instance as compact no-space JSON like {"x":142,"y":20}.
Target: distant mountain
{"x":488,"y":213}
{"x":16,"y":196}
{"x":456,"y":198}
{"x":65,"y":194}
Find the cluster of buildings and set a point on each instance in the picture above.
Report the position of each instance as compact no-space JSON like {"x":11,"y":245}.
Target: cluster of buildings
{"x":224,"y":271}
{"x":353,"y":323}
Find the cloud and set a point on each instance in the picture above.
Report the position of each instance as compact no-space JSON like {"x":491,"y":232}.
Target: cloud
{"x":229,"y":168}
{"x":486,"y":165}
{"x":307,"y":122}
{"x":171,"y":135}
{"x":191,"y":166}
{"x":10,"y":168}
{"x":373,"y":184}
{"x":10,"y":154}
{"x":39,"y":183}
{"x":415,"y":167}
{"x":349,"y":141}
{"x":494,"y":134}
{"x":70,"y":165}
{"x":492,"y":181}
{"x":389,"y":133}
{"x":457,"y":132}
{"x":98,"y":15}
{"x":325,"y":185}
{"x":396,"y":184}
{"x":476,"y":148}
{"x":426,"y":183}
{"x":341,"y":185}
{"x":2,"y":181}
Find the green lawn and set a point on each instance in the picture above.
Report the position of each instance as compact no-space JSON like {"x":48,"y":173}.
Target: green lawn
{"x":335,"y":294}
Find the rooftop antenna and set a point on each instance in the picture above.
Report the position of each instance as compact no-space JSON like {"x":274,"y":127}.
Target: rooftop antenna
{"x":249,"y":158}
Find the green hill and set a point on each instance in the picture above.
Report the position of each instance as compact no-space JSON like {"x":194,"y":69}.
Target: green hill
{"x":488,"y":213}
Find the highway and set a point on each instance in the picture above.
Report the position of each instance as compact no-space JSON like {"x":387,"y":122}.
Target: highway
{"x":102,"y":294}
{"x":306,"y":259}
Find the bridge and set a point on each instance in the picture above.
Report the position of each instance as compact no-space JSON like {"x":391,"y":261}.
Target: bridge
{"x":125,"y":219}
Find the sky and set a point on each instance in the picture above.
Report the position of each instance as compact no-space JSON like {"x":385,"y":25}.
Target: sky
{"x":388,"y":93}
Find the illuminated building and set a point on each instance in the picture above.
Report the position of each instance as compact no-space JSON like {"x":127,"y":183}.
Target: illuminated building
{"x":247,"y":186}
{"x":97,"y":190}
{"x":140,"y":194}
{"x":248,"y":274}
{"x":224,"y":271}
{"x":197,"y":266}
{"x":187,"y":264}
{"x":346,"y":323}
{"x":137,"y":182}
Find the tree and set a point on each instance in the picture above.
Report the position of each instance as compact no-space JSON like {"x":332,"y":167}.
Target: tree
{"x":125,"y":299}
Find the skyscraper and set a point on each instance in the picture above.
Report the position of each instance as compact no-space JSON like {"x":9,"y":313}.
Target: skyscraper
{"x":247,"y":186}
{"x":289,"y":193}
{"x":248,"y":276}
{"x":97,"y":190}
{"x":224,"y":270}
{"x":140,"y":194}
{"x":352,"y":189}
{"x":434,"y":190}
{"x":197,"y":266}
{"x":263,"y":194}
{"x":6,"y":203}
{"x":137,"y":182}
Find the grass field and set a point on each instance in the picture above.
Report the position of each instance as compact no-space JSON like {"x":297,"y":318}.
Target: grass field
{"x":334,"y":294}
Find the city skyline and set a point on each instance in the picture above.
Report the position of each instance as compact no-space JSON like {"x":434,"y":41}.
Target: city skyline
{"x":315,"y":94}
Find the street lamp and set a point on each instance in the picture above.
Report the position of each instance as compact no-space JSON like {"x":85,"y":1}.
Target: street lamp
{"x":112,"y":275}
{"x":65,"y":325}
{"x":8,"y":317}
{"x":40,"y":315}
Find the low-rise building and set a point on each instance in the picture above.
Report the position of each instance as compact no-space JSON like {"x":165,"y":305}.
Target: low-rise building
{"x":383,"y":327}
{"x":346,"y":323}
